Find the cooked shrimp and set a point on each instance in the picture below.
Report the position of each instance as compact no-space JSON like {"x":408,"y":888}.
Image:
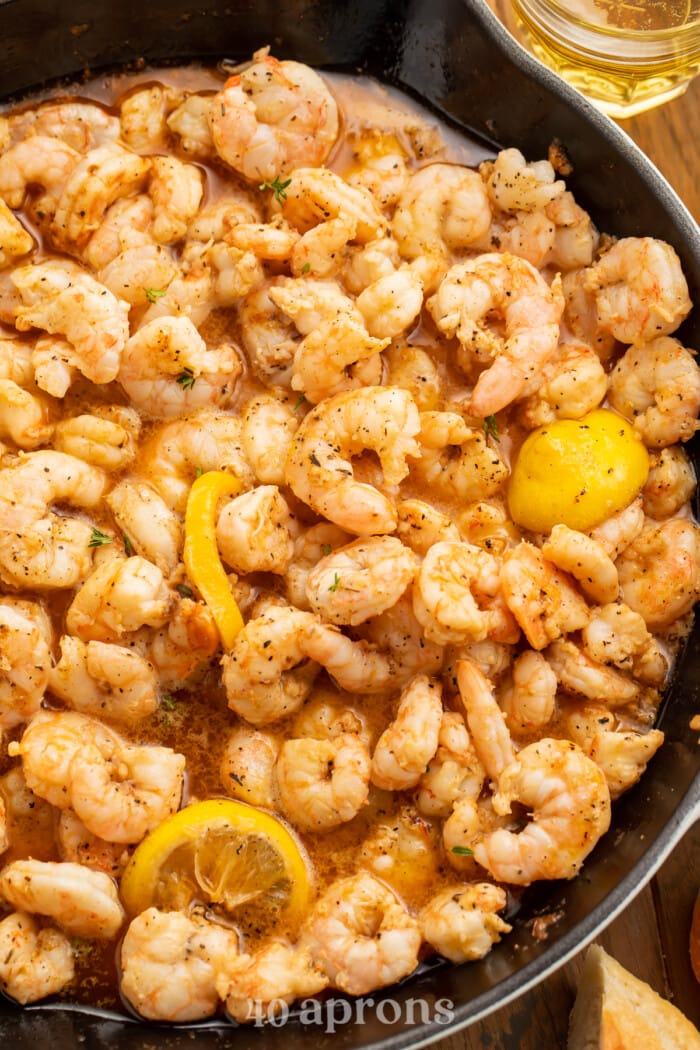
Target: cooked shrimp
{"x":528,"y":700}
{"x":190,"y":122}
{"x":258,"y":986}
{"x":457,"y":460}
{"x":176,"y":452}
{"x":269,"y":241}
{"x":37,"y":480}
{"x":142,"y":117}
{"x":323,"y":783}
{"x":621,"y":755}
{"x":361,"y":935}
{"x":541,"y":597}
{"x":576,"y":238}
{"x":273,"y":117}
{"x":327,"y":715}
{"x":338,"y":355}
{"x":364,"y":264}
{"x":52,"y":554}
{"x":413,"y":369}
{"x":253,"y":531}
{"x":98,"y":678}
{"x":51,"y":360}
{"x":671,"y":483}
{"x":408,"y":744}
{"x":616,"y":534}
{"x":25,"y":417}
{"x":83,"y":902}
{"x":573,"y":383}
{"x":530,"y":235}
{"x":15,"y":241}
{"x":316,"y":195}
{"x":192,"y":295}
{"x":487,"y":524}
{"x":269,"y":338}
{"x":97,"y":180}
{"x":167,"y":369}
{"x":453,"y":772}
{"x":617,"y":635}
{"x":585,"y":559}
{"x":102,"y":442}
{"x":122,"y":792}
{"x":577,"y":673}
{"x":486,"y":720}
{"x":268,"y":673}
{"x":360,"y":580}
{"x":379,"y":165}
{"x":36,"y":961}
{"x":320,"y":251}
{"x":462,"y":922}
{"x":391,"y":304}
{"x":268,"y":426}
{"x":170,"y":963}
{"x":451,"y":593}
{"x":570,"y":804}
{"x":118,"y":597}
{"x":505,"y":285}
{"x":152,"y":528}
{"x":581,"y":315}
{"x":78,"y":845}
{"x":185,"y":646}
{"x":402,"y":647}
{"x":48,"y":746}
{"x":314,"y":543}
{"x":247,"y":769}
{"x":514,"y":185}
{"x":639,"y":288}
{"x":421,"y":525}
{"x":40,"y":160}
{"x":656,"y":385}
{"x":126,"y":225}
{"x":82,"y":125}
{"x":403,"y":850}
{"x":660,"y":572}
{"x":319,"y":470}
{"x":443,"y":208}
{"x":176,"y":190}
{"x":61,"y":298}
{"x":135,"y":272}
{"x":25,"y":662}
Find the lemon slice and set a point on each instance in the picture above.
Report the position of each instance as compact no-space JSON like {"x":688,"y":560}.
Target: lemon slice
{"x":577,"y":471}
{"x":223,"y":853}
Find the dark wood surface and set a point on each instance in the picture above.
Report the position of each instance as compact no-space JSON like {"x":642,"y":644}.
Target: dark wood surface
{"x":651,"y":937}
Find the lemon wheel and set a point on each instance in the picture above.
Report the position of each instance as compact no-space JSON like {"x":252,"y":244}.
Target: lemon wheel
{"x":222,"y":853}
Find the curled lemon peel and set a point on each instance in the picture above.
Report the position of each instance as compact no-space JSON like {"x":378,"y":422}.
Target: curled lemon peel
{"x":201,"y":554}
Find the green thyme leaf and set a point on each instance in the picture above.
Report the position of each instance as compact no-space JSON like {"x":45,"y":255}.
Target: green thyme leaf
{"x":184,"y":591}
{"x":186,"y":379}
{"x":306,"y":267}
{"x":301,"y":400}
{"x":278,"y":187}
{"x":326,"y":548}
{"x":153,"y":294}
{"x":336,"y":583}
{"x":491,"y":428}
{"x":127,"y":545}
{"x":99,"y":539}
{"x":462,"y":851}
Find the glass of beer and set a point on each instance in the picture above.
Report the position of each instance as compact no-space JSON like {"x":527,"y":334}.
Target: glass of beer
{"x":625,"y":55}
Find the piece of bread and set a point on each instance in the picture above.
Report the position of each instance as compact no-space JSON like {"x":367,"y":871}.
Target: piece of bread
{"x":616,"y":1011}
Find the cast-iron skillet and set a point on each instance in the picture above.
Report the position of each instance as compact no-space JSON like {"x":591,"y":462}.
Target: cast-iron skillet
{"x":455,"y":56}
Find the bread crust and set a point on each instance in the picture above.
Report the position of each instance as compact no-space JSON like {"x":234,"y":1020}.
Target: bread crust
{"x":616,"y":1011}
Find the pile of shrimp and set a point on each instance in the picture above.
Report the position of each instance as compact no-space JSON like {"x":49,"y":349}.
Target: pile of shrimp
{"x":439,"y":704}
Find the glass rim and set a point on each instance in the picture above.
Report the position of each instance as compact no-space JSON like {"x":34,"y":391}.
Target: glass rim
{"x":545,"y":8}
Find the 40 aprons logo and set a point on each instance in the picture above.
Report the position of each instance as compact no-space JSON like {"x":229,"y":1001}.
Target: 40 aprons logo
{"x":331,"y":1014}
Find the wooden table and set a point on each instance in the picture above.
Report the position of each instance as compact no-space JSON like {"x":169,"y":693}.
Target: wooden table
{"x":651,"y":937}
